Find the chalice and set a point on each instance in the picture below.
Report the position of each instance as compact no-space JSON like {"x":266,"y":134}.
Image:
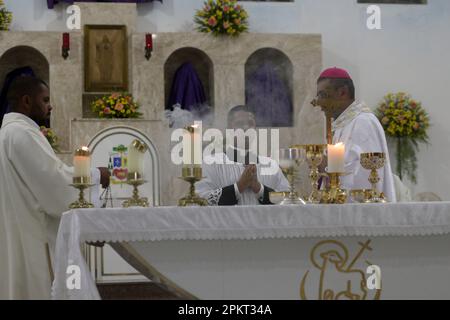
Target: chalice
{"x":373,"y":161}
{"x":290,"y":159}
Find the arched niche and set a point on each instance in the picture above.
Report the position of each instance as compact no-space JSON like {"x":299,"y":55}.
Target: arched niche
{"x":24,"y":56}
{"x":202,"y":64}
{"x":269,"y":87}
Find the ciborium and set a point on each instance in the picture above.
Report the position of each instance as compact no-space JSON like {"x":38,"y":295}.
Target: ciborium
{"x":192,"y":175}
{"x":290,"y":159}
{"x":373,"y":161}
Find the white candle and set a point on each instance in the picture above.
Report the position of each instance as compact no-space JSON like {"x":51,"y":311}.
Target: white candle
{"x":82,"y":163}
{"x":187,"y":147}
{"x":336,"y":157}
{"x":136,"y":152}
{"x":197,"y":142}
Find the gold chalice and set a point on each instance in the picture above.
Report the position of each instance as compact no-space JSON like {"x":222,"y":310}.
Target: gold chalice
{"x":290,"y":159}
{"x":374,"y":161}
{"x":314,"y":157}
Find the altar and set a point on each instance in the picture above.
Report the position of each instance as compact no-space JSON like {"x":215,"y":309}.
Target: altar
{"x":351,"y":251}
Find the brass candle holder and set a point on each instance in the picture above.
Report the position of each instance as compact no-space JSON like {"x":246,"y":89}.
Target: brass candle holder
{"x":334,"y":194}
{"x":373,"y":161}
{"x":192,"y":175}
{"x":290,"y":159}
{"x":81,"y":183}
{"x":135,"y":180}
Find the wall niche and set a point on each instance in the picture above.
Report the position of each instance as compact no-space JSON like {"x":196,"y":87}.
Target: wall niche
{"x":268,"y":87}
{"x":183,"y":71}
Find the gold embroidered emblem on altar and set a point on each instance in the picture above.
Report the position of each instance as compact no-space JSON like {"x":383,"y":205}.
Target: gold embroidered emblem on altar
{"x":336,"y":274}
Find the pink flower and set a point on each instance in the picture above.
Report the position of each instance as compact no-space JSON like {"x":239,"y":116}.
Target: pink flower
{"x":107,"y":111}
{"x":115,"y":95}
{"x":237,"y":21}
{"x":212,"y":21}
{"x":226,"y":25}
{"x":207,"y":7}
{"x":416,"y":126}
{"x":237,"y":7}
{"x":119,"y":107}
{"x":226,"y":8}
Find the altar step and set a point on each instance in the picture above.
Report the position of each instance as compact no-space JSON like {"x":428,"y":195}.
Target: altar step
{"x":134,"y":291}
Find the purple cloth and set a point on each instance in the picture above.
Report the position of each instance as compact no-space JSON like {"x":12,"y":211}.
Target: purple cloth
{"x":23,"y":71}
{"x":187,"y":89}
{"x":51,"y":3}
{"x":269,"y":96}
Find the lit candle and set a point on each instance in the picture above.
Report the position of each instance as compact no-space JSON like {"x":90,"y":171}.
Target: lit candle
{"x":197,"y":143}
{"x":66,"y":41}
{"x":136,"y":152}
{"x":82,"y":163}
{"x":149,"y":41}
{"x":187,"y":146}
{"x":336,"y":157}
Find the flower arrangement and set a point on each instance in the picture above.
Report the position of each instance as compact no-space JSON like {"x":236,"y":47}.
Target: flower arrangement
{"x":5,"y":17}
{"x":116,"y":105}
{"x":52,"y":138}
{"x":222,"y":17}
{"x":405,"y":120}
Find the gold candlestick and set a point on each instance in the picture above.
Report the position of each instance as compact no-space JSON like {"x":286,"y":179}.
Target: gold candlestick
{"x":334,"y":194}
{"x":192,"y":175}
{"x":135,"y":180}
{"x":373,"y":161}
{"x":81,"y":183}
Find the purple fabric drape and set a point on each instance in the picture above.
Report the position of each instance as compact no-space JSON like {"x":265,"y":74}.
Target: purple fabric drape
{"x":269,"y":96}
{"x":51,"y":3}
{"x":187,"y":89}
{"x":23,"y":71}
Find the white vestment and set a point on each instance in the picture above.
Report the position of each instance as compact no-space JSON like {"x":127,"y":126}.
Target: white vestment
{"x":218,"y":176}
{"x":34,"y":192}
{"x":359,"y":129}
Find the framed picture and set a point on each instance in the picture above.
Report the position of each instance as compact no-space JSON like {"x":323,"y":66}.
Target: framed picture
{"x":105,"y":58}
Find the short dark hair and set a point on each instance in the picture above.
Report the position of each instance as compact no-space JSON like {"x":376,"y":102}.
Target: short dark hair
{"x":21,"y":86}
{"x":341,"y":82}
{"x":238,"y":108}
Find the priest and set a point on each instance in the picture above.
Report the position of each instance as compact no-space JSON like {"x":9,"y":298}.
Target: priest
{"x":358,"y":128}
{"x":34,"y":190}
{"x":235,"y":176}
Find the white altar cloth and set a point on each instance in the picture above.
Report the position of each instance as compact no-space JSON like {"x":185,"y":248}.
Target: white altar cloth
{"x":233,"y":223}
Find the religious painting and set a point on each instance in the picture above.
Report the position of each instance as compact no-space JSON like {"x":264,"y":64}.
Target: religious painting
{"x":106,"y":58}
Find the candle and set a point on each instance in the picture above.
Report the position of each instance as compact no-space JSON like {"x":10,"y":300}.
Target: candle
{"x":197,"y":143}
{"x":187,"y":146}
{"x":136,"y":152}
{"x":66,"y":41}
{"x":149,"y":41}
{"x":336,"y":157}
{"x":82,"y":163}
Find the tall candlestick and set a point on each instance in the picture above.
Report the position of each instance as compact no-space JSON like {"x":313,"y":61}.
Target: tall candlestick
{"x":82,"y":163}
{"x":336,"y":157}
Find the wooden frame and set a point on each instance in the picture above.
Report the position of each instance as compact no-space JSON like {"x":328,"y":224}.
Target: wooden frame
{"x":105,"y":58}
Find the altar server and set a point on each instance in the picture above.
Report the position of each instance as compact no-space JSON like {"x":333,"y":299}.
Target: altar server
{"x":237,"y":177}
{"x":34,"y":190}
{"x":358,"y":128}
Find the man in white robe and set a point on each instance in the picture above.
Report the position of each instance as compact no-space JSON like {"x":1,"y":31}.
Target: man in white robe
{"x":236,"y":176}
{"x":359,"y":129}
{"x":34,"y":190}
